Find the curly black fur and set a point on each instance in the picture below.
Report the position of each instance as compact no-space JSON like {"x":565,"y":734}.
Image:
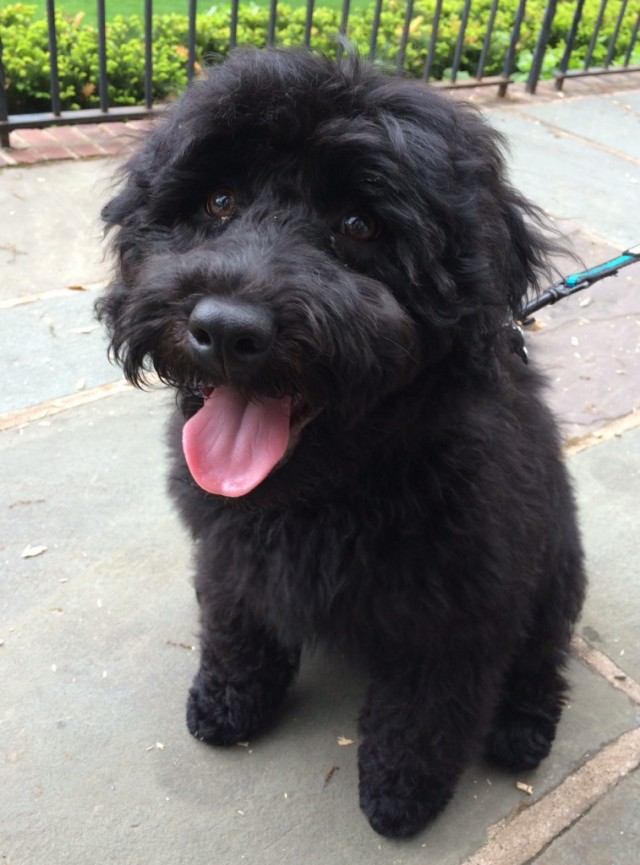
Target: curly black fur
{"x":422,"y":520}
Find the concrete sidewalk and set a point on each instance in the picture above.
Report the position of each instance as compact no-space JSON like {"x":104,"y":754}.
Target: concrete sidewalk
{"x":98,"y":616}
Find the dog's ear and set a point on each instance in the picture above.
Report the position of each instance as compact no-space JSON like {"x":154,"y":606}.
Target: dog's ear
{"x":125,"y":210}
{"x":500,"y":245}
{"x":496,"y":245}
{"x":479,"y":243}
{"x":503,"y":242}
{"x":134,"y":179}
{"x":122,"y":205}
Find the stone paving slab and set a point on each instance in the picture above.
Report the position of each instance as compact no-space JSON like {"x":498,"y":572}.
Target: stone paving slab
{"x":609,"y":501}
{"x":552,"y":169}
{"x":52,"y":348}
{"x":632,"y":99}
{"x":588,"y":345}
{"x":589,"y":841}
{"x":50,"y":231}
{"x":102,"y":623}
{"x":612,"y":123}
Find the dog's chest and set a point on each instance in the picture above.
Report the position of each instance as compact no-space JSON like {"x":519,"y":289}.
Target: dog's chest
{"x":323,"y":574}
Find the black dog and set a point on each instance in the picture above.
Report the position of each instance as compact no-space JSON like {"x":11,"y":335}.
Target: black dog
{"x":324,"y":263}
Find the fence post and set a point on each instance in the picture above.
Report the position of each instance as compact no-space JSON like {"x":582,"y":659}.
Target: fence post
{"x":191,"y":55}
{"x":431,"y":53}
{"x":510,"y":59}
{"x":102,"y":56}
{"x":53,"y":58}
{"x":148,"y":53}
{"x":541,"y":46}
{"x":571,"y":38}
{"x":4,"y":108}
{"x":344,"y":23}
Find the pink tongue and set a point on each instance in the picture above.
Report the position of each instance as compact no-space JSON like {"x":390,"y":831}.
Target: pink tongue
{"x":232,"y":444}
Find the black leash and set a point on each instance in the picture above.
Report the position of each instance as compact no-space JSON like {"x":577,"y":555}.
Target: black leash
{"x":566,"y":287}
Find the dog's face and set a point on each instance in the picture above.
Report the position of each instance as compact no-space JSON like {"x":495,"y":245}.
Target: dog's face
{"x":300,"y":243}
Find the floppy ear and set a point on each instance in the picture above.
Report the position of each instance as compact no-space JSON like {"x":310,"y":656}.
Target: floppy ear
{"x":124,"y":210}
{"x":500,"y":239}
{"x":518,"y":236}
{"x":481,"y":242}
{"x":125,"y":202}
{"x":529,"y":240}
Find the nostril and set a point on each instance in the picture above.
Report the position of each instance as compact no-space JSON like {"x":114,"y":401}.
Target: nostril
{"x":201,"y":336}
{"x":248,"y":345}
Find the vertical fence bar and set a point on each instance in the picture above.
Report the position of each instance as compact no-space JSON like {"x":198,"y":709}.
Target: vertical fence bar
{"x":510,"y":59}
{"x":616,"y":33}
{"x":4,"y":104}
{"x":308,"y":24}
{"x":271,"y":32}
{"x":53,"y":57}
{"x":405,"y":36}
{"x":431,"y":53}
{"x":191,"y":41}
{"x":571,"y":38}
{"x":375,"y":27}
{"x":634,"y":37}
{"x":457,"y":57}
{"x":541,"y":46}
{"x":233,"y":24}
{"x":487,"y":40}
{"x":148,"y":53}
{"x":596,"y":33}
{"x":102,"y":57}
{"x":344,"y":23}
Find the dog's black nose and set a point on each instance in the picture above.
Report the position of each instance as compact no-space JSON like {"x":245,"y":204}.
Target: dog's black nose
{"x":230,"y":337}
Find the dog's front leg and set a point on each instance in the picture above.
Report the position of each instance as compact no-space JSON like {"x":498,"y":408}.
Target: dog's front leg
{"x":243,"y":676}
{"x":419,"y":727}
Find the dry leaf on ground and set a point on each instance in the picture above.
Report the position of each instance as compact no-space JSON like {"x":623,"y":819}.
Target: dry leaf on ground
{"x":30,"y":551}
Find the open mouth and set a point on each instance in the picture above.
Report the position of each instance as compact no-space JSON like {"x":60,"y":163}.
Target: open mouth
{"x":234,"y":441}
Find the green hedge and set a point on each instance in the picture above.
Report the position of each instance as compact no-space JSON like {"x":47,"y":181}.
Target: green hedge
{"x":27,"y":64}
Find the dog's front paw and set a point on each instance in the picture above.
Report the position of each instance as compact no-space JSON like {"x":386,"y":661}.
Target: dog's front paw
{"x":222,"y":714}
{"x":519,"y":742}
{"x":398,"y":801}
{"x":399,"y":816}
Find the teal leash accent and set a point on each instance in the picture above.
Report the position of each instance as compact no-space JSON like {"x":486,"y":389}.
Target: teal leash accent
{"x":579,"y":281}
{"x":602,"y":270}
{"x":566,"y":287}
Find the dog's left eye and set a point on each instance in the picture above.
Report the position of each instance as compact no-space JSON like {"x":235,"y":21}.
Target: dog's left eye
{"x":359,"y":226}
{"x":222,"y":204}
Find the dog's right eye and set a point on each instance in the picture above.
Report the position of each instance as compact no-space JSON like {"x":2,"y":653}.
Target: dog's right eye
{"x":221,"y":204}
{"x":359,"y":226}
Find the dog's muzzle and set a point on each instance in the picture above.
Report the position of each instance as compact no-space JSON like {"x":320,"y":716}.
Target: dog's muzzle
{"x":237,"y":437}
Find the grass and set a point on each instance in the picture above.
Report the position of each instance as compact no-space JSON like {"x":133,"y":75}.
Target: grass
{"x":164,"y":7}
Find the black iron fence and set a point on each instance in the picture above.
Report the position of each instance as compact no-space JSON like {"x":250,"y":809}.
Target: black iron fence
{"x":456,"y":43}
